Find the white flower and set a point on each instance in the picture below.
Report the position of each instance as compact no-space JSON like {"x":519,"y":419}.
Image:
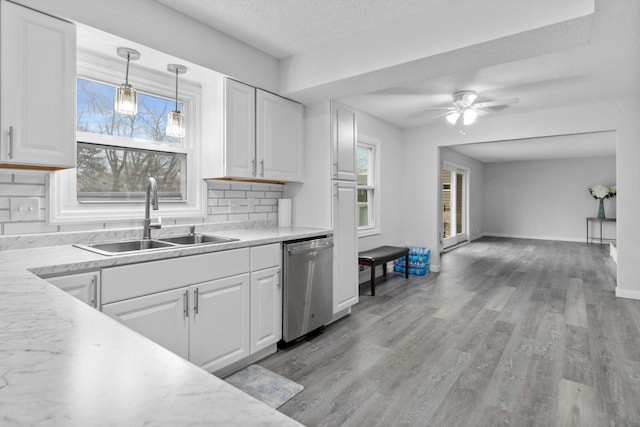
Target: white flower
{"x":599,"y":191}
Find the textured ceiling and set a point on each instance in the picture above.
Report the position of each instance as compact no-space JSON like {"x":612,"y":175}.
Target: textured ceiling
{"x":285,"y":27}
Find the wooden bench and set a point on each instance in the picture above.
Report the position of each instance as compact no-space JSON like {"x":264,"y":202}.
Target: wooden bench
{"x":383,"y":255}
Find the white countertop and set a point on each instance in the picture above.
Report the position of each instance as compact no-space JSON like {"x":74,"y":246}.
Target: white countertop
{"x":63,"y":363}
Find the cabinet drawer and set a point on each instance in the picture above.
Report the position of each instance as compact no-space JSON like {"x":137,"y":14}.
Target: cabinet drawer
{"x":265,"y":256}
{"x":130,"y":281}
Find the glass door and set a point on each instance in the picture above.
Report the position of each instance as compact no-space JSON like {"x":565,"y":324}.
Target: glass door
{"x":454,"y":202}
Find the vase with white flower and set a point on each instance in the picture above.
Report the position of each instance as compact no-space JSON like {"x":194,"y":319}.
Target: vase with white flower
{"x":601,"y":192}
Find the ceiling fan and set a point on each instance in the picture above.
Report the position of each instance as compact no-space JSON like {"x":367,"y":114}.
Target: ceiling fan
{"x":464,"y":107}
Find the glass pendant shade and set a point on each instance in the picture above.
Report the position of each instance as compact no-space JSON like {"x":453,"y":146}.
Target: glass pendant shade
{"x":469,"y":117}
{"x":175,"y":124}
{"x":126,"y":100}
{"x":453,"y":117}
{"x":175,"y":119}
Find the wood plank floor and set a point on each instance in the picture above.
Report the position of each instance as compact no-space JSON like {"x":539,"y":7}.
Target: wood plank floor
{"x":511,"y":333}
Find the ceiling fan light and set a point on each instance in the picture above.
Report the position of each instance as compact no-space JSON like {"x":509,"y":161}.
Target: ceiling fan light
{"x":469,"y":117}
{"x":453,"y":117}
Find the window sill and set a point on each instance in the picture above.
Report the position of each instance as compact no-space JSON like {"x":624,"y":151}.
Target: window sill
{"x":367,"y":232}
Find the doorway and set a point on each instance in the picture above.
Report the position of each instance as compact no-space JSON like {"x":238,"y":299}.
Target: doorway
{"x":454,"y":205}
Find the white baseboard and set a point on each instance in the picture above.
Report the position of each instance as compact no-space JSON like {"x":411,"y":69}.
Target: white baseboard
{"x":626,"y":293}
{"x":523,"y":236}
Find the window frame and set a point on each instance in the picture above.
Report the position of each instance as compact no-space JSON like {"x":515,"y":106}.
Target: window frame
{"x":373,"y":186}
{"x":63,"y":206}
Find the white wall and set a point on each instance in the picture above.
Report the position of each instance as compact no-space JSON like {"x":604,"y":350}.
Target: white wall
{"x":157,"y":26}
{"x":546,"y":199}
{"x":393,"y":187}
{"x":476,"y":183}
{"x":621,"y":116}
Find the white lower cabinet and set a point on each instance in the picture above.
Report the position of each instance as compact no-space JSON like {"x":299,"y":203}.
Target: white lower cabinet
{"x":219,"y":332}
{"x":213,"y":323}
{"x":160,"y":317}
{"x":345,"y":252}
{"x":266,"y":312}
{"x":84,"y":286}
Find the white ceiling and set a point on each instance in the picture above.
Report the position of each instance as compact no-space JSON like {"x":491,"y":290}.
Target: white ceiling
{"x":285,"y":27}
{"x":567,"y":62}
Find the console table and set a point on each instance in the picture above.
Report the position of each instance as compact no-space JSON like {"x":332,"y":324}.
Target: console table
{"x":600,"y":220}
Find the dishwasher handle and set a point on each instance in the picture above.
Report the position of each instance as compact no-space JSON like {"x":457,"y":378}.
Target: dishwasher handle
{"x":316,"y":248}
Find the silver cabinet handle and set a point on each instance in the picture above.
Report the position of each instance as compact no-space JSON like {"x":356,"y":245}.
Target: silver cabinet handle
{"x":186,"y":303}
{"x":335,"y":167}
{"x":279,"y":283}
{"x":195,"y":301}
{"x":94,"y":292}
{"x":10,"y":142}
{"x":262,"y":167}
{"x":253,"y":167}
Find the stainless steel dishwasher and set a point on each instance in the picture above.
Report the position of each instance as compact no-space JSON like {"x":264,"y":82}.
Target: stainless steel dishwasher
{"x":308,"y":286}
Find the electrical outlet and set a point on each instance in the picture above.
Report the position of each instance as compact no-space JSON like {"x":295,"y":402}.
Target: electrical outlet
{"x":24,"y":208}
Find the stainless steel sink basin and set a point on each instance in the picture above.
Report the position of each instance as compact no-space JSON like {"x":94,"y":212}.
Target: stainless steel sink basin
{"x":196,"y":239}
{"x":126,"y":246}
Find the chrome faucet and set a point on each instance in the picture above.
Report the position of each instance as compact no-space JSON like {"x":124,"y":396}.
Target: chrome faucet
{"x":151,"y":199}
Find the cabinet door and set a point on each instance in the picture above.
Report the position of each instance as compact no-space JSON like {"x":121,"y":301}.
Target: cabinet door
{"x":345,"y":254}
{"x":266,"y":308}
{"x":344,"y":138}
{"x":240,"y":138}
{"x":84,"y":286}
{"x":219,"y":332}
{"x":161,"y":317}
{"x":38,"y":89}
{"x":279,"y":137}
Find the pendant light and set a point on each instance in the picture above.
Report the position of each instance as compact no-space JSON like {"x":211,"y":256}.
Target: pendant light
{"x":126,"y":97}
{"x":175,"y":119}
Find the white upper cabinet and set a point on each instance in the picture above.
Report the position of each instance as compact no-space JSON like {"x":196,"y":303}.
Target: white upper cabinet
{"x":240,"y":130}
{"x":343,"y":143}
{"x":38,"y":89}
{"x":279,"y":135}
{"x":262,"y":138}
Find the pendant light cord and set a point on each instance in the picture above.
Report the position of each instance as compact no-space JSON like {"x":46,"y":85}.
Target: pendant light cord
{"x":176,"y":89}
{"x":126,"y":78}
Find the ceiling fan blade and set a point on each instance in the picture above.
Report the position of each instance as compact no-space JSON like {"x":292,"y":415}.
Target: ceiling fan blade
{"x":437,"y":108}
{"x":496,"y":103}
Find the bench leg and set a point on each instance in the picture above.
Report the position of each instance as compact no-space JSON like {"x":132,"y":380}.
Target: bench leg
{"x":373,"y":280}
{"x":406,"y":267}
{"x":384,"y":268}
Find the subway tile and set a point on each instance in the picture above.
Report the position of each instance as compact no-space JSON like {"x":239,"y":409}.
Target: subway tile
{"x":232,"y":194}
{"x":189,"y":221}
{"x":241,"y":186}
{"x":213,"y":210}
{"x":6,"y":177}
{"x":272,"y":216}
{"x":216,"y":193}
{"x":255,"y":194}
{"x":259,"y":209}
{"x":82,"y":227}
{"x":217,"y":218}
{"x":5,"y":215}
{"x":273,"y":194}
{"x":22,"y":190}
{"x":258,"y":216}
{"x":28,"y":228}
{"x":223,"y":202}
{"x":29,"y":178}
{"x":4,"y":203}
{"x":268,"y":201}
{"x":259,"y":186}
{"x":219,"y":185}
{"x":276,"y":187}
{"x":238,"y":217}
{"x":212,"y":202}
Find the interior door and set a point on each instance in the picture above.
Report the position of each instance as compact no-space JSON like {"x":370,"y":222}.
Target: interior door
{"x":454,"y":205}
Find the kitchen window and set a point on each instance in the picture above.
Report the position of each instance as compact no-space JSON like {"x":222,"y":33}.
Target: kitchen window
{"x":117,"y":153}
{"x":368,"y":179}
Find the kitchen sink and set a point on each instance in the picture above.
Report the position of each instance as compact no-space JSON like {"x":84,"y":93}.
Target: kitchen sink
{"x":196,"y":239}
{"x":146,"y":245}
{"x":126,"y":246}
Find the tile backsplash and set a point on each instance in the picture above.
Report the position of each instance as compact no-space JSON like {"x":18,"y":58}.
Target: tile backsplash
{"x":226,"y":201}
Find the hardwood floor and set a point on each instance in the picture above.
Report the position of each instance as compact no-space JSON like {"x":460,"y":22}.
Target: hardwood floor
{"x":512,"y":332}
